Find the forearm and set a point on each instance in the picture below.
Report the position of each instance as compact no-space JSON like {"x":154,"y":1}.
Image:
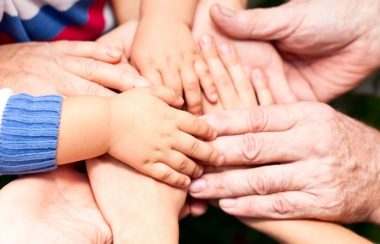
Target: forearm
{"x":305,"y":231}
{"x":83,"y":131}
{"x":183,"y":10}
{"x":126,"y":10}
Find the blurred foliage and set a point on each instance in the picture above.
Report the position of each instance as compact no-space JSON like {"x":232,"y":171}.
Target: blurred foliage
{"x":218,"y":228}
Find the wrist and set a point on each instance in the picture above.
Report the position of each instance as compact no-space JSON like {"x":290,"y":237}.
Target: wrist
{"x":84,"y":129}
{"x":146,"y":230}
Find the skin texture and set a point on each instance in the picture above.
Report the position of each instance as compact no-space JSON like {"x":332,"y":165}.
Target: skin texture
{"x":58,"y":208}
{"x":252,"y":54}
{"x":308,"y":231}
{"x":328,"y":168}
{"x":67,"y":68}
{"x":122,"y":193}
{"x":326,"y":50}
{"x":164,"y":51}
{"x":159,"y":145}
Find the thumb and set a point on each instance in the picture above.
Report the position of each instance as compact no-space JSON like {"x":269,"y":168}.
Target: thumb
{"x":261,"y":24}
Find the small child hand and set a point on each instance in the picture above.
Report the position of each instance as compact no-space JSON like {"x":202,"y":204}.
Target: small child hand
{"x":164,"y":52}
{"x":156,"y":139}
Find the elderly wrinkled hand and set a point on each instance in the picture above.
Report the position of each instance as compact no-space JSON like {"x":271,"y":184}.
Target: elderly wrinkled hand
{"x":327,"y":48}
{"x":318,"y":163}
{"x":67,"y":68}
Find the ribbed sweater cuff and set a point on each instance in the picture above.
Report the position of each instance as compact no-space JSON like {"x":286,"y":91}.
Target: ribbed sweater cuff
{"x":29,"y":134}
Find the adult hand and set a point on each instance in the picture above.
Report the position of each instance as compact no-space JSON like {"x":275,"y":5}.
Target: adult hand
{"x":67,"y":68}
{"x":55,"y":207}
{"x":327,"y":164}
{"x":252,"y":54}
{"x":328,"y":47}
{"x":122,"y":194}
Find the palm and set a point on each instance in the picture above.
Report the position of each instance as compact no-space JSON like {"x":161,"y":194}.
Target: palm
{"x":55,"y":207}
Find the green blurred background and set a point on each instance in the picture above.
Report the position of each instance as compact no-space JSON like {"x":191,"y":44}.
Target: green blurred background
{"x":218,"y":228}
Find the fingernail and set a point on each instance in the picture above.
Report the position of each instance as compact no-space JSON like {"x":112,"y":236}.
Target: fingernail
{"x":180,"y":101}
{"x":220,"y":160}
{"x":224,"y":49}
{"x":141,"y":82}
{"x":114,"y":53}
{"x":199,"y":172}
{"x":206,"y":40}
{"x":226,"y":11}
{"x":198,"y":186}
{"x":227,"y":203}
{"x":187,"y":182}
{"x":214,"y":97}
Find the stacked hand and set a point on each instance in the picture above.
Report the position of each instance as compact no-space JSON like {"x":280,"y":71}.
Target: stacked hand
{"x":327,"y":48}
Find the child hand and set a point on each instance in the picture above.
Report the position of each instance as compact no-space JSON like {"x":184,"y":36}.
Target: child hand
{"x":156,"y":139}
{"x":164,"y":52}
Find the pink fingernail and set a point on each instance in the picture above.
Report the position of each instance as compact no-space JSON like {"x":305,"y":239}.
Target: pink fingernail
{"x":198,"y":186}
{"x":224,"y":49}
{"x":214,"y":97}
{"x":206,"y":40}
{"x":114,"y":53}
{"x":227,"y":203}
{"x":180,"y":100}
{"x":187,"y":182}
{"x":226,"y":11}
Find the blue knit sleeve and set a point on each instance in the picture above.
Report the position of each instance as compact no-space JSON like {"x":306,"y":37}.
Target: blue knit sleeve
{"x":29,"y":134}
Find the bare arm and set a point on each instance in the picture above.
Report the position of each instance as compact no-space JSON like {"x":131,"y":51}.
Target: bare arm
{"x":126,"y":10}
{"x":178,"y":10}
{"x":305,"y":231}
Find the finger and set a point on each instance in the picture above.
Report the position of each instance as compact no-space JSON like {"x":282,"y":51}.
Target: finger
{"x":183,"y":164}
{"x":87,"y":49}
{"x":285,"y":205}
{"x":172,"y":79}
{"x":258,"y":148}
{"x":104,"y":74}
{"x":206,"y":81}
{"x":222,"y":80}
{"x":256,"y":119}
{"x":196,"y":149}
{"x":259,"y":24}
{"x":244,"y":182}
{"x":192,"y":90}
{"x":72,"y":85}
{"x":198,"y":207}
{"x":190,"y":124}
{"x":239,"y":78}
{"x":164,"y":173}
{"x":260,"y":83}
{"x":152,"y":75}
{"x":167,"y":95}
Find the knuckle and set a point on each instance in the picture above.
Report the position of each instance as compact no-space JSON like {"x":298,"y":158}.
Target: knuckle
{"x":90,"y":69}
{"x":281,"y":205}
{"x":166,"y":175}
{"x":93,"y":89}
{"x":258,"y":184}
{"x":183,"y":165}
{"x":194,"y":147}
{"x":192,"y":85}
{"x":219,"y":185}
{"x":250,"y":150}
{"x":257,"y":120}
